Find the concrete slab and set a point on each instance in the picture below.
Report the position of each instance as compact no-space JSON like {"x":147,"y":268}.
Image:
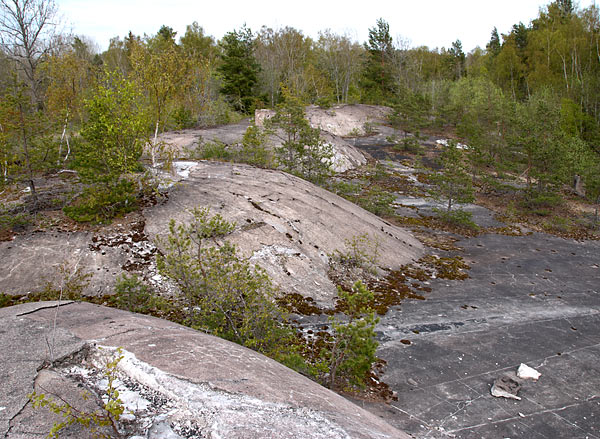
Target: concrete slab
{"x":533,"y":299}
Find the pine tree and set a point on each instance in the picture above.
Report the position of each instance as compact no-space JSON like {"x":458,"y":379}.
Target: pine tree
{"x":377,"y":77}
{"x":494,"y":46}
{"x":239,"y":68}
{"x":453,"y":183}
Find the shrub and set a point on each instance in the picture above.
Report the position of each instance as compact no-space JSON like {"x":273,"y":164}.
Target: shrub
{"x":351,"y":354}
{"x":100,"y":203}
{"x":10,"y":221}
{"x":254,"y":150}
{"x":362,"y":251}
{"x":225,"y":295}
{"x":183,"y":118}
{"x":73,"y":280}
{"x":302,"y":151}
{"x":534,"y":200}
{"x":107,"y":416}
{"x":377,"y":201}
{"x":132,"y":294}
{"x":409,"y":144}
{"x":457,"y":217}
{"x":215,"y":151}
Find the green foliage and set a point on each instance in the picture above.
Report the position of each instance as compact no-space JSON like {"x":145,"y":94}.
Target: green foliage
{"x":481,"y":114}
{"x":542,"y":140}
{"x":10,"y":221}
{"x":216,"y":150}
{"x":136,"y":296}
{"x":99,"y":204}
{"x":362,"y":251}
{"x":113,"y":140}
{"x":540,"y":203}
{"x":367,"y":195}
{"x":239,"y":69}
{"x":302,"y":152}
{"x":108,"y":416}
{"x":182,"y":118}
{"x":411,"y":113}
{"x":254,"y":150}
{"x":225,"y":295}
{"x":114,"y":134}
{"x":351,"y":354}
{"x":25,"y":146}
{"x":407,"y":144}
{"x":377,"y":80}
{"x":457,"y":217}
{"x":73,"y":280}
{"x":453,"y":184}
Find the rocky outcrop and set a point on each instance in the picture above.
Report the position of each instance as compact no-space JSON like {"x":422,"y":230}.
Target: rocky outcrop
{"x":340,"y":120}
{"x":287,"y":225}
{"x":347,"y":120}
{"x":173,"y":380}
{"x":187,"y":143}
{"x":30,"y":263}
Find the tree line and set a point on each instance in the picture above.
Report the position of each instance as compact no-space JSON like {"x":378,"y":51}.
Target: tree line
{"x":529,"y":100}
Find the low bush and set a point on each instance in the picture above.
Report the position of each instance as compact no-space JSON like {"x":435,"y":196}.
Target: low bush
{"x":224,"y":294}
{"x":101,"y":203}
{"x":215,"y":151}
{"x":132,"y":294}
{"x":456,"y":217}
{"x":351,"y":353}
{"x":540,"y":201}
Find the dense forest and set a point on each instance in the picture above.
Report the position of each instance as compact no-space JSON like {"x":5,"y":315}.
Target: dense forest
{"x":527,"y":103}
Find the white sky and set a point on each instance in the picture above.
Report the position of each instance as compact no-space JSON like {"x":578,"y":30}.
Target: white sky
{"x":434,"y":23}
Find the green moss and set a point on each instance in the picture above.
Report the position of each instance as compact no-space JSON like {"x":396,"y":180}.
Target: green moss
{"x":298,"y":304}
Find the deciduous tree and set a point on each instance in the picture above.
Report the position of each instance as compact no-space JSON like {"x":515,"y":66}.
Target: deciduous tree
{"x":26,"y":32}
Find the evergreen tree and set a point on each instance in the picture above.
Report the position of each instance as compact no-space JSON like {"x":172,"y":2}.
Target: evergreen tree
{"x":377,"y":77}
{"x":239,"y":68}
{"x":494,"y":46}
{"x":302,"y":151}
{"x":458,"y":58}
{"x":453,"y":183}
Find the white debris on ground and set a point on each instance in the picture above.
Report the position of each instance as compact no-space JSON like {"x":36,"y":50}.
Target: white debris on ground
{"x":159,"y":405}
{"x":180,"y":170}
{"x":507,"y":386}
{"x":446,"y":142}
{"x":525,"y":372}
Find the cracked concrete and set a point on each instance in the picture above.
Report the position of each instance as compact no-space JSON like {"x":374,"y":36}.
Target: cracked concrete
{"x":529,"y":299}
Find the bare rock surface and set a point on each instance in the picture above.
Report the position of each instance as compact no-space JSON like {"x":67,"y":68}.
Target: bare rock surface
{"x":347,"y":120}
{"x":176,"y":380}
{"x":29,"y":263}
{"x":339,"y":120}
{"x":187,"y":142}
{"x":285,"y":224}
